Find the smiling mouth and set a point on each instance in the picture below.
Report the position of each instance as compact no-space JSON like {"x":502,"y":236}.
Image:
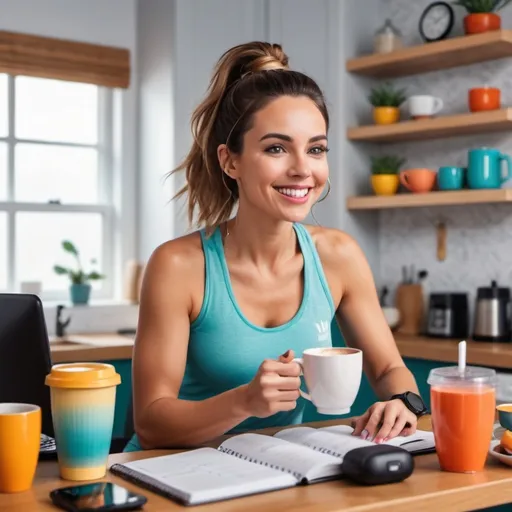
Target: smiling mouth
{"x":299,"y":193}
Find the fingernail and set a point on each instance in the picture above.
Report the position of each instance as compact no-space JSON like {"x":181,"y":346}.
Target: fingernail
{"x":286,"y":354}
{"x":386,"y":439}
{"x":364,"y":434}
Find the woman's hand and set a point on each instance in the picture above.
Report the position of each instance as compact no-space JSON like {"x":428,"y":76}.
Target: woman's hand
{"x":274,"y":388}
{"x":385,"y":420}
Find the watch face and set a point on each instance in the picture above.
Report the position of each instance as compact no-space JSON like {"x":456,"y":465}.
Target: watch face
{"x":436,"y":22}
{"x":415,"y":401}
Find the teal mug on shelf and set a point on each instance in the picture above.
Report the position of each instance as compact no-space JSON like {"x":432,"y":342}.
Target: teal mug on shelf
{"x":485,"y":168}
{"x":450,"y":178}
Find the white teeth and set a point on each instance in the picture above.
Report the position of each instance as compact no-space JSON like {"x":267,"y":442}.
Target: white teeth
{"x":293,"y":192}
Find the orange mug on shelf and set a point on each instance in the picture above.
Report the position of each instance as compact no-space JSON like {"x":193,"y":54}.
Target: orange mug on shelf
{"x":484,"y":98}
{"x":418,"y":180}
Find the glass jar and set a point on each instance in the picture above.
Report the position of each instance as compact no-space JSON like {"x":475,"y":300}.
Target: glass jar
{"x":388,"y":38}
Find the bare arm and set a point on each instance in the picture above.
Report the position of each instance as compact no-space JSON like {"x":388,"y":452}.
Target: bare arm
{"x":161,"y":419}
{"x":364,"y":326}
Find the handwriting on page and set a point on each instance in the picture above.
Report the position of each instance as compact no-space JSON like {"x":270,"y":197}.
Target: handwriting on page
{"x":278,"y":453}
{"x":202,"y":469}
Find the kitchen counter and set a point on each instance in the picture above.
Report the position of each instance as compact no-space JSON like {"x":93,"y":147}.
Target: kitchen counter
{"x":495,"y":355}
{"x":111,"y":346}
{"x":91,"y":347}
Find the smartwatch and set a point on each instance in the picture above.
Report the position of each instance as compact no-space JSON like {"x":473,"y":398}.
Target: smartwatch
{"x":412,"y":401}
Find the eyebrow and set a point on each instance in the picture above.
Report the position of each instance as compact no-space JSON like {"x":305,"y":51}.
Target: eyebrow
{"x":287,"y":138}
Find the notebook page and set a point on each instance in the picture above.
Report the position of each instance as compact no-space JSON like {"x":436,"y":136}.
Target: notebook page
{"x":322,"y":441}
{"x":298,"y":460}
{"x":420,"y":440}
{"x":206,"y":474}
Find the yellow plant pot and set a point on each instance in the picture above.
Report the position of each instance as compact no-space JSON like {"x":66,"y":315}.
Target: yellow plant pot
{"x":386,"y":115}
{"x":385,"y":184}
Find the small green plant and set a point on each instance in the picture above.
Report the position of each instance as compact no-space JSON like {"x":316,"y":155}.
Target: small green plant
{"x":77,"y":276}
{"x":479,"y":6}
{"x":385,"y":95}
{"x":387,"y":164}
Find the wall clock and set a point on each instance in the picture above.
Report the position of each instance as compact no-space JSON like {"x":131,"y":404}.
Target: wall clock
{"x":436,"y":22}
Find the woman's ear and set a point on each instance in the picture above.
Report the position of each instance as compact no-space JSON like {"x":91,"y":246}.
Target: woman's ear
{"x":225,"y":161}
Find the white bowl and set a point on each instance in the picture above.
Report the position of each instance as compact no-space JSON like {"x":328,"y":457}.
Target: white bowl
{"x":392,"y":316}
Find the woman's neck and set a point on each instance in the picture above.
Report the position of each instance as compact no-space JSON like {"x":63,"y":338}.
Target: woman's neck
{"x":261,"y":240}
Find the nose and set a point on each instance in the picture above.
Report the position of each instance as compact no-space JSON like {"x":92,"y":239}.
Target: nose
{"x":299,"y":167}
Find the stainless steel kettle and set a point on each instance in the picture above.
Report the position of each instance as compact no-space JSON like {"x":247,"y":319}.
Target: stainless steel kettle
{"x":492,"y":317}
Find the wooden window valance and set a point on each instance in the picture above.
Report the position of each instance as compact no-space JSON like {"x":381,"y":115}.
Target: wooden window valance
{"x":48,"y":57}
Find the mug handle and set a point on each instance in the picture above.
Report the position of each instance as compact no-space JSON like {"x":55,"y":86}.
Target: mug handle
{"x":300,"y":362}
{"x":505,"y":175}
{"x":438,"y":105}
{"x":403,"y":179}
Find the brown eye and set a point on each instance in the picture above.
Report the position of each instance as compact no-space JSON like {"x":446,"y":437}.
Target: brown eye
{"x":275,"y":150}
{"x":318,"y":150}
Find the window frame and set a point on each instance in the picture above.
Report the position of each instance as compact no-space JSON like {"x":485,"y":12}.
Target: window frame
{"x":105,"y":206}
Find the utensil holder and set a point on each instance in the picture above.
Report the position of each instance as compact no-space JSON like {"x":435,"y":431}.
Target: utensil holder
{"x":409,"y":301}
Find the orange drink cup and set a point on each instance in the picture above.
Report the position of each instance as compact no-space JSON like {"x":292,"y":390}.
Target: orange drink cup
{"x":463,"y":407}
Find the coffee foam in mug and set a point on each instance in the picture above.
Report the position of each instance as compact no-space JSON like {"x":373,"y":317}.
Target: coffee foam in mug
{"x":326,"y":352}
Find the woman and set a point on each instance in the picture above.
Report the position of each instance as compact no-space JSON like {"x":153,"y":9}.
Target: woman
{"x":224,"y":310}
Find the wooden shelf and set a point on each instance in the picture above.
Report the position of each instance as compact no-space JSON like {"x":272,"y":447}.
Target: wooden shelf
{"x":460,"y":197}
{"x":451,"y":53}
{"x":438,"y":127}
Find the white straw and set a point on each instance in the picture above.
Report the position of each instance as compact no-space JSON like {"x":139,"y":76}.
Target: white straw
{"x":462,"y":356}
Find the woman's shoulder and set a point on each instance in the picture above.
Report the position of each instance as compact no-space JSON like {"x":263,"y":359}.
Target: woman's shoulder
{"x":180,"y":256}
{"x":334,"y":246}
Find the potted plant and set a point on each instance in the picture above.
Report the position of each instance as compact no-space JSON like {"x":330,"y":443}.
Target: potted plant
{"x":386,"y":101}
{"x":80,"y":289}
{"x":482,"y":15}
{"x":385,"y":169}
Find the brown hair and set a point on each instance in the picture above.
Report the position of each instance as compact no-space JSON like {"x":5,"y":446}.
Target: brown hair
{"x":246,"y":78}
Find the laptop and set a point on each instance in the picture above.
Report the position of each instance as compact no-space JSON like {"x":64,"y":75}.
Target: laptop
{"x":25,"y":359}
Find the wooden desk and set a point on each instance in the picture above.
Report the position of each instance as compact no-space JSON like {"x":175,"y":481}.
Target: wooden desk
{"x":427,"y":489}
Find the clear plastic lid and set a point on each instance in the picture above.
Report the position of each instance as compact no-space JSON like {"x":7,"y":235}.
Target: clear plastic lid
{"x":470,"y":376}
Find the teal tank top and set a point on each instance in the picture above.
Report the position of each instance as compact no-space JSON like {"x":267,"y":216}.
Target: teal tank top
{"x":225,"y":349}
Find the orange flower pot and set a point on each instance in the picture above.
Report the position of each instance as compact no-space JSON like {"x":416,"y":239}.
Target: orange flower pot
{"x":477,"y":23}
{"x":484,"y":98}
{"x":386,"y":115}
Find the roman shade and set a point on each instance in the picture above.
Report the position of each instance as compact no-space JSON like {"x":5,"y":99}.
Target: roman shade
{"x":48,"y":57}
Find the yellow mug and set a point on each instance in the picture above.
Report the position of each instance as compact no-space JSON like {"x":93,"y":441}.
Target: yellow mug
{"x":20,"y":438}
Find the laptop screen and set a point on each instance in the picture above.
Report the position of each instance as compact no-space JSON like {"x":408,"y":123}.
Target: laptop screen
{"x":25,"y":354}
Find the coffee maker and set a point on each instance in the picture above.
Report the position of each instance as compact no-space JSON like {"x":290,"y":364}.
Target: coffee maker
{"x":448,"y":315}
{"x":492,"y":314}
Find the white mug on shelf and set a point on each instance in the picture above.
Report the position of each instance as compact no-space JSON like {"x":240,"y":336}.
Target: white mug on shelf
{"x":424,"y":106}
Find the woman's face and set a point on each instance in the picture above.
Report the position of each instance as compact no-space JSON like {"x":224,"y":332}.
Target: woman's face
{"x":283,"y":168}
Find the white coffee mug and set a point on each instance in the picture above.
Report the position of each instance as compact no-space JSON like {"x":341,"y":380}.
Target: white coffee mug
{"x":333,"y":377}
{"x":424,"y":105}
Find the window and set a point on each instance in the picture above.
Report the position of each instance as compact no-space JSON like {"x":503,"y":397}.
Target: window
{"x":55,"y":181}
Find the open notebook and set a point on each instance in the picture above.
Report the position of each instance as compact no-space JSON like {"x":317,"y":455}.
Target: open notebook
{"x":253,"y":463}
